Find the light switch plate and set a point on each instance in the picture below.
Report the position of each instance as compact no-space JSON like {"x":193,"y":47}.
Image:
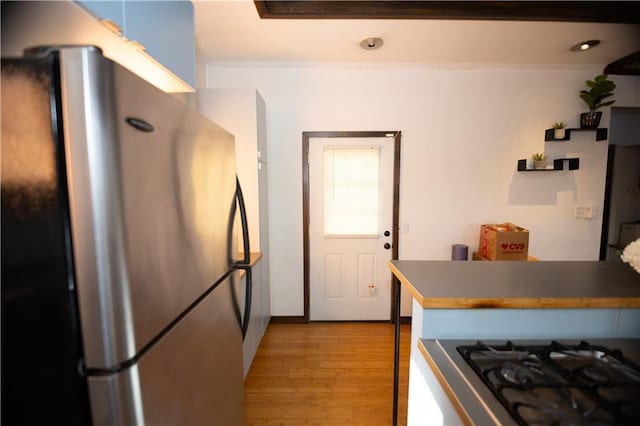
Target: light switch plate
{"x":584,"y":212}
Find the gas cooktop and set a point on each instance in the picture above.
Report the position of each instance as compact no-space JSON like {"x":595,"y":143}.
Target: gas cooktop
{"x":554,"y":383}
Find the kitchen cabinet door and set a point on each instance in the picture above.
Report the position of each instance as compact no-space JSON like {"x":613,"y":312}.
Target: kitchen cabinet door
{"x":109,"y":10}
{"x":166,"y":29}
{"x":255,"y":330}
{"x":243,"y":113}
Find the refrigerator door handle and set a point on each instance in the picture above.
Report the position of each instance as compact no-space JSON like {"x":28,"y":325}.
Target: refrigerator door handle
{"x":244,"y":264}
{"x":245,"y":226}
{"x":244,"y":325}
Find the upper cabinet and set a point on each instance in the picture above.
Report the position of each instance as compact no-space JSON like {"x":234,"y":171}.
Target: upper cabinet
{"x":164,"y":29}
{"x":112,"y":11}
{"x":26,"y":24}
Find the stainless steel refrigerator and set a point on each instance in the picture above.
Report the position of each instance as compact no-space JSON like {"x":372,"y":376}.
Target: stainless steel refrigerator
{"x":119,"y":217}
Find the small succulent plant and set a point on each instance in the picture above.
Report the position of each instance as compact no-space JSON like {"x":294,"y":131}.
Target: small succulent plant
{"x":538,"y":156}
{"x":559,"y":125}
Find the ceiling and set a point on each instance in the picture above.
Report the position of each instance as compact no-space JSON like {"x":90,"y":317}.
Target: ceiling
{"x":232,"y":31}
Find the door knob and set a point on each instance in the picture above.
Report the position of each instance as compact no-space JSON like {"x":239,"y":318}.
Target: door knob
{"x":387,"y":233}
{"x":387,"y":246}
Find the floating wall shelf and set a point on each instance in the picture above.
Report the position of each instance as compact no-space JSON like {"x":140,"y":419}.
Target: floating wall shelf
{"x":558,"y":165}
{"x":601,"y":134}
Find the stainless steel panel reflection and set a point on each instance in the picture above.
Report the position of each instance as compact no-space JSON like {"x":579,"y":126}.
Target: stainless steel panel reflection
{"x":150,"y":211}
{"x":178,"y":198}
{"x":193,"y":375}
{"x":95,"y":202}
{"x":116,"y":400}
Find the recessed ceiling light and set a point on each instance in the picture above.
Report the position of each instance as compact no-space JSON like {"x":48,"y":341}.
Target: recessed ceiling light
{"x":371,"y":43}
{"x":584,"y":45}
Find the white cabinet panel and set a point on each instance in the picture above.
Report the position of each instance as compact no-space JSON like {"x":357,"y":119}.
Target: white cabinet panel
{"x":237,"y":110}
{"x":243,"y":113}
{"x":46,"y":23}
{"x":112,"y":10}
{"x":166,"y":30}
{"x":255,"y":330}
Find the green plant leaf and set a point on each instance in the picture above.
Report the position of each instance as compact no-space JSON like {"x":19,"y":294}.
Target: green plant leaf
{"x":586,"y":96}
{"x":603,"y":105}
{"x":607,"y":86}
{"x":538,"y":156}
{"x":599,"y":89}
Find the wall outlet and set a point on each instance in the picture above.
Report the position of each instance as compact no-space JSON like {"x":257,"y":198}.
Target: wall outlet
{"x":584,"y":212}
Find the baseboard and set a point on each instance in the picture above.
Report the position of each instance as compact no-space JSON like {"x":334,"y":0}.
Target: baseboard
{"x":287,"y":320}
{"x":300,"y":320}
{"x":353,"y":321}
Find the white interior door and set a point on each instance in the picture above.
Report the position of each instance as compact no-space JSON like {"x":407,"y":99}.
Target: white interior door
{"x":350,"y":227}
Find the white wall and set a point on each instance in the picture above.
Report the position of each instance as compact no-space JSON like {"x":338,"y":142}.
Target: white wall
{"x":462,"y":134}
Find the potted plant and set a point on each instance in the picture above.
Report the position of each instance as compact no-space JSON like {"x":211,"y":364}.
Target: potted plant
{"x":559,"y":130}
{"x":599,"y":89}
{"x":539,"y":161}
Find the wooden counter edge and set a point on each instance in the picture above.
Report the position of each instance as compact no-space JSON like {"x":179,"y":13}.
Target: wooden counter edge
{"x":530,"y":303}
{"x":445,"y":385}
{"x":514,"y":302}
{"x":415,"y":293}
{"x":254,"y":257}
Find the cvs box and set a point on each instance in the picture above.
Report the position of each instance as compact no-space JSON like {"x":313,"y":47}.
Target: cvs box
{"x":504,"y":241}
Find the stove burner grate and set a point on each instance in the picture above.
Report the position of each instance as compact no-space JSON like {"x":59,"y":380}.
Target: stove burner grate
{"x":559,"y":384}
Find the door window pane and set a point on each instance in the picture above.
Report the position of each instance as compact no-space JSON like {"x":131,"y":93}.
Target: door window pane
{"x":351,"y":191}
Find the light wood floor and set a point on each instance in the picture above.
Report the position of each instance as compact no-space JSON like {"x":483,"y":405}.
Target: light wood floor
{"x":327,"y":374}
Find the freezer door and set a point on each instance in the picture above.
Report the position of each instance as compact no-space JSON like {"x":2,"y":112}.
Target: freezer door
{"x":192,"y":376}
{"x":151,"y":188}
{"x":41,"y":346}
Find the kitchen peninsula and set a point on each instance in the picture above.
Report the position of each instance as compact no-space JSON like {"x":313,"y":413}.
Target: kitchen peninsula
{"x":506,"y":301}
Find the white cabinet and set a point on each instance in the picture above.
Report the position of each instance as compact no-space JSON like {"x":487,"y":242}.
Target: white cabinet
{"x":110,"y":10}
{"x":166,"y":30}
{"x":243,"y":113}
{"x":57,"y":23}
{"x":257,"y":324}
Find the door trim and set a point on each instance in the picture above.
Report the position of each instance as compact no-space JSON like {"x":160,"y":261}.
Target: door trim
{"x":396,"y":134}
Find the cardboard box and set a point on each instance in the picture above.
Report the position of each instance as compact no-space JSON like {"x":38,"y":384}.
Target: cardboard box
{"x":504,"y":241}
{"x":476,"y":256}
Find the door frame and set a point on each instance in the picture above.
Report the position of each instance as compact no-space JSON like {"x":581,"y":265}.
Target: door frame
{"x":306,"y":136}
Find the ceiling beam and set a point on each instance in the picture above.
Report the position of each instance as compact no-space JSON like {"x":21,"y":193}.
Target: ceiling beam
{"x":629,"y":65}
{"x":626,"y":12}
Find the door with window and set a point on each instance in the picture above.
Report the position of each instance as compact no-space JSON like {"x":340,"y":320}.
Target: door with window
{"x":351,"y":182}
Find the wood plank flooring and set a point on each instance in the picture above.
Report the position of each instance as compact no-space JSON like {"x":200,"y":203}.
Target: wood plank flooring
{"x":327,"y":374}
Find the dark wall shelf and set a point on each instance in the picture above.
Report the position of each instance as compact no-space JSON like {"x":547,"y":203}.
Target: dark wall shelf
{"x":558,"y":165}
{"x":601,"y":134}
